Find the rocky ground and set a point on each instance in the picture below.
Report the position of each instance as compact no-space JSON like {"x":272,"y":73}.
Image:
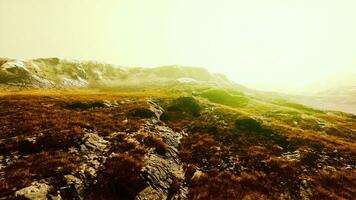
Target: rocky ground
{"x":170,"y":145}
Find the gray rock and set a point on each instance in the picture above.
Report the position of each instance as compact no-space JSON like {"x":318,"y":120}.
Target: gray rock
{"x":94,"y":142}
{"x":161,"y":171}
{"x":76,"y":183}
{"x":37,"y":191}
{"x":154,"y":107}
{"x":291,"y":156}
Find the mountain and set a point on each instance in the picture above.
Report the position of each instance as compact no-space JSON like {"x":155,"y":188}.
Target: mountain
{"x":163,"y":133}
{"x":57,"y":73}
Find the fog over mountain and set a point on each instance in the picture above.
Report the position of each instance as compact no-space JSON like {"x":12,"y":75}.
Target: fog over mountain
{"x":279,"y":46}
{"x":337,"y":92}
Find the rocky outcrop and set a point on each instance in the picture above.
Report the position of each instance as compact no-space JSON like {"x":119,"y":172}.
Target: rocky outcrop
{"x":163,"y":172}
{"x":154,"y":107}
{"x":17,"y":72}
{"x":93,"y":150}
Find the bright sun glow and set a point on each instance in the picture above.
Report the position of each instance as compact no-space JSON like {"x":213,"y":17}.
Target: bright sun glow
{"x":279,"y":45}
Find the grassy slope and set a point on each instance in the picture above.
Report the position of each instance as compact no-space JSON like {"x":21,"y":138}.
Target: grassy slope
{"x":288,"y":150}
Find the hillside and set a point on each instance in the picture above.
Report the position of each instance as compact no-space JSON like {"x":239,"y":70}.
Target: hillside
{"x":163,"y":133}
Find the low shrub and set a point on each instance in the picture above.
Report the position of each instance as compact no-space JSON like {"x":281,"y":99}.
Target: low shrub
{"x":248,"y":124}
{"x":185,"y":104}
{"x":119,"y":179}
{"x":157,"y":143}
{"x":141,"y":113}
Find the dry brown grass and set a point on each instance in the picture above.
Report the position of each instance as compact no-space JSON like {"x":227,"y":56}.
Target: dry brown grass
{"x":153,"y":141}
{"x":37,"y":166}
{"x":335,"y":185}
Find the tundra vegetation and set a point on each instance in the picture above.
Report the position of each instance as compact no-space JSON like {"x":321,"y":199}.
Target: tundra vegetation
{"x":234,"y":146}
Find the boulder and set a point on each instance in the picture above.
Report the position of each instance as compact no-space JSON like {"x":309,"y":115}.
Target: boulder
{"x":36,"y":191}
{"x":74,"y":188}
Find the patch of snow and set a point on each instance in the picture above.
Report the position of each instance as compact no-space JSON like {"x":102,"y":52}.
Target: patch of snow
{"x":186,"y":80}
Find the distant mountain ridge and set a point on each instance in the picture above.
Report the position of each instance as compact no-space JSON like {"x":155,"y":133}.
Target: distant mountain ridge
{"x":62,"y":73}
{"x":342,"y":98}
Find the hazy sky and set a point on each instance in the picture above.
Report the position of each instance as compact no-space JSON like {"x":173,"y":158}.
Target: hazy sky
{"x":268,"y":44}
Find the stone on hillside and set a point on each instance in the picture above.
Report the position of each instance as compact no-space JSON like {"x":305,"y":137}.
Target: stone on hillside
{"x":74,"y":188}
{"x":37,"y":191}
{"x":94,"y":141}
{"x":154,"y":107}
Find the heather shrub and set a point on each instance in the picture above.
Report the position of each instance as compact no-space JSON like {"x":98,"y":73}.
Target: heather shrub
{"x":119,"y":179}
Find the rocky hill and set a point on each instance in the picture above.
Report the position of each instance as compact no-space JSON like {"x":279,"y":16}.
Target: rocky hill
{"x":57,"y":73}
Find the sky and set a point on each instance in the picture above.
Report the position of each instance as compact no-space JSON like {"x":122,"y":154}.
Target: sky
{"x":277,"y":45}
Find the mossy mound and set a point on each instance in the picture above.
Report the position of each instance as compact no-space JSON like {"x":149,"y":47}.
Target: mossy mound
{"x":253,"y":128}
{"x":248,"y":124}
{"x":182,"y":107}
{"x":223,"y":97}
